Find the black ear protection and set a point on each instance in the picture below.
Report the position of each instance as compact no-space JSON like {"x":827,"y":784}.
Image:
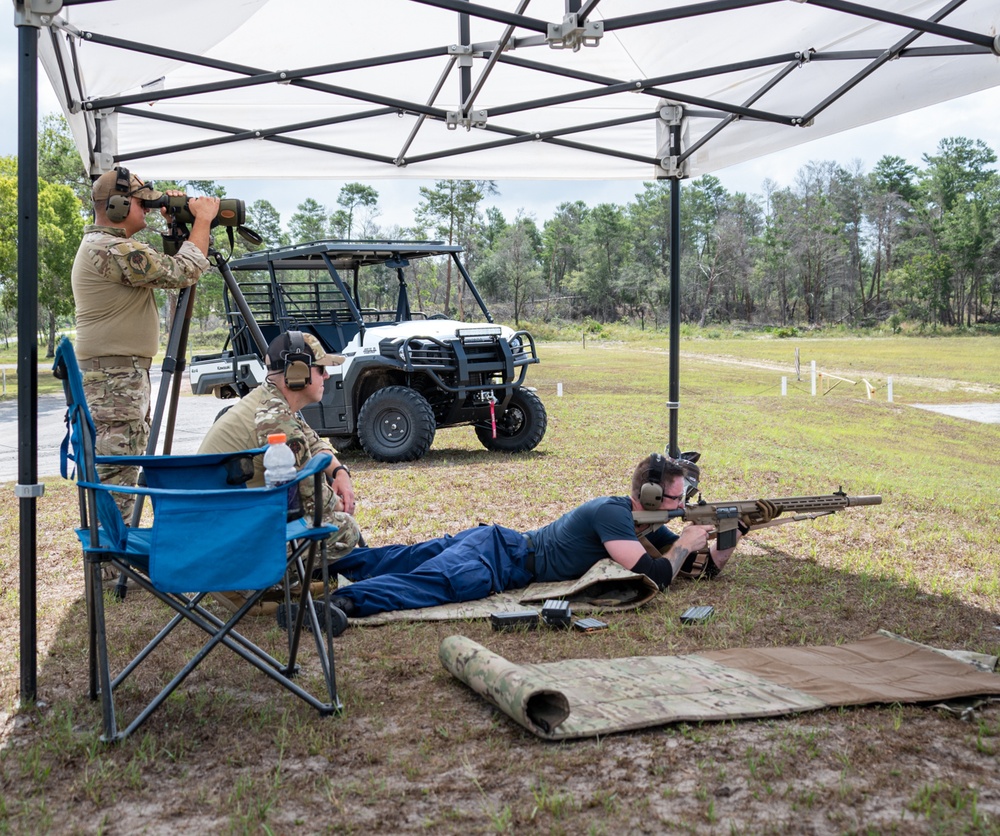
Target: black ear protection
{"x":651,"y":493}
{"x":298,"y":362}
{"x":120,"y":202}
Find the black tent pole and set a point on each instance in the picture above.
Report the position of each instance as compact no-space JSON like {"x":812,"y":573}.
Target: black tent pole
{"x":26,"y":489}
{"x":673,"y":450}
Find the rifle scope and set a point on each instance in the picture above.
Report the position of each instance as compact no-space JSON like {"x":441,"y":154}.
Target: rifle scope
{"x":232,"y":212}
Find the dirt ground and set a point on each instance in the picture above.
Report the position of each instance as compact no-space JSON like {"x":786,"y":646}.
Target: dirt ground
{"x":414,"y":750}
{"x":417,"y":751}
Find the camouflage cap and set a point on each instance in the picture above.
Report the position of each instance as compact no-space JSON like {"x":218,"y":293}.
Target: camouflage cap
{"x":281,"y":346}
{"x":106,"y":185}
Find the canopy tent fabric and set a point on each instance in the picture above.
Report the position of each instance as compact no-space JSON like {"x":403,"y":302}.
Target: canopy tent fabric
{"x":502,"y":89}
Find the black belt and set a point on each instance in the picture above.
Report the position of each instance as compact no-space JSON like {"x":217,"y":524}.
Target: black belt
{"x":529,"y":558}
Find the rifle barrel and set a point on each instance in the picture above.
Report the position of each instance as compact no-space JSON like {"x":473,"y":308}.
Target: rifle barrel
{"x":790,"y":504}
{"x":817,"y":503}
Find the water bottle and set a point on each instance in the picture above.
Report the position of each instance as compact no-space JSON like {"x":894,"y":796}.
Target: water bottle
{"x":279,"y":468}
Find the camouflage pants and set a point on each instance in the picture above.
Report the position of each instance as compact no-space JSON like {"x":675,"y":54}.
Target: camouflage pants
{"x":119,"y":404}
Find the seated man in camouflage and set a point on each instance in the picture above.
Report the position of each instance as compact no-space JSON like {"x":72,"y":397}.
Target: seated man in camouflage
{"x":296,"y":372}
{"x":491,"y":558}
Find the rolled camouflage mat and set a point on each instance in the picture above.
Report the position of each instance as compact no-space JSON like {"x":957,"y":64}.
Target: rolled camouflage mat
{"x":531,"y":702}
{"x":577,"y":698}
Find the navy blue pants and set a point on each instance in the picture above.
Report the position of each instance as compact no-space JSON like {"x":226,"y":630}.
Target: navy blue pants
{"x":466,"y":567}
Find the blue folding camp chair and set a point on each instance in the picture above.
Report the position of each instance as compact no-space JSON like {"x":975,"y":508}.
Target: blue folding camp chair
{"x":210,"y":533}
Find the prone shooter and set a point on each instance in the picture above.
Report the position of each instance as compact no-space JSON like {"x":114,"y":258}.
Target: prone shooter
{"x":726,"y":518}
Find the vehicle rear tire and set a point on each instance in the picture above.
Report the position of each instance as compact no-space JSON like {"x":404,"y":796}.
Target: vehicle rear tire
{"x":396,"y":424}
{"x":343,"y":443}
{"x":520,"y":428}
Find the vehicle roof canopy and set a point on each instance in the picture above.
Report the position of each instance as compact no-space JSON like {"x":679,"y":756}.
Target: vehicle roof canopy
{"x":341,"y":254}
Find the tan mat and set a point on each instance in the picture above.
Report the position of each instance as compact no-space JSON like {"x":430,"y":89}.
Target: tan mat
{"x":607,"y":586}
{"x":586,"y":697}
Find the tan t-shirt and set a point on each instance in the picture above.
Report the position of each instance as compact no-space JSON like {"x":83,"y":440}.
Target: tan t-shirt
{"x":114,"y":278}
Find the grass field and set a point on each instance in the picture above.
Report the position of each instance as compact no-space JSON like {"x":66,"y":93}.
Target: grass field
{"x":417,"y":751}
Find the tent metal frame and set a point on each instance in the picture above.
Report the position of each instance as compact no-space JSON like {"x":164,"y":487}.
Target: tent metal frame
{"x":577,"y":29}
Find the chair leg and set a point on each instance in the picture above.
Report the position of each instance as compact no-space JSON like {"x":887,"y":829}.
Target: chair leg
{"x":88,"y":597}
{"x":101,"y":682}
{"x":327,"y":658}
{"x":188,"y":608}
{"x":323,"y":637}
{"x":301,"y":571}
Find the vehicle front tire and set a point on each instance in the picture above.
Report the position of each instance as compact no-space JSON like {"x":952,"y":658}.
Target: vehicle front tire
{"x":396,"y":424}
{"x":520,"y":428}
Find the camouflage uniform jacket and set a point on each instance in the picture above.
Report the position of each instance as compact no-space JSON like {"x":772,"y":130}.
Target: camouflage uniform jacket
{"x":248,"y":424}
{"x":113,"y":282}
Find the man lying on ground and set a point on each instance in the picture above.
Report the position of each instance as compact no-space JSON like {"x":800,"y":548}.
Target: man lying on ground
{"x":491,"y":558}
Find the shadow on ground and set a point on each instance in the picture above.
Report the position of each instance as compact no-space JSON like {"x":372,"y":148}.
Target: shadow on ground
{"x":415,"y":749}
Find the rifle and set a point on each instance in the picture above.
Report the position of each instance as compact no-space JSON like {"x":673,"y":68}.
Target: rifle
{"x":754,"y":514}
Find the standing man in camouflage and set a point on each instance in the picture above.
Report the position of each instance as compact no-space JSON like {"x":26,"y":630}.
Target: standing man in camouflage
{"x":117,"y":321}
{"x":296,"y":375}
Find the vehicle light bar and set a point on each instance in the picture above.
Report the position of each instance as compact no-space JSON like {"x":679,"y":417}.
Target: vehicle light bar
{"x":483,"y":331}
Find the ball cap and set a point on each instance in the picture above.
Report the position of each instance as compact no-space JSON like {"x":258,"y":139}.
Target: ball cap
{"x":105,"y":186}
{"x":281,"y":346}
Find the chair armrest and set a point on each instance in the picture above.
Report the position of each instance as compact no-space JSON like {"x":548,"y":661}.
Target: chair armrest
{"x":176,"y":461}
{"x":316,"y":465}
{"x":206,"y":470}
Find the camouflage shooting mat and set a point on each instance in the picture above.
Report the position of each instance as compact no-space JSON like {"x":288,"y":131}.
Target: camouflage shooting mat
{"x":605,"y":587}
{"x":586,"y":697}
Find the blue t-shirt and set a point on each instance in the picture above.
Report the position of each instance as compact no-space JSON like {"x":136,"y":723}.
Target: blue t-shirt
{"x":567,"y":548}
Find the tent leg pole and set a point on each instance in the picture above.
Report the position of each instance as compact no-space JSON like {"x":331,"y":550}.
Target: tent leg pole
{"x":27,"y":351}
{"x":673,"y":450}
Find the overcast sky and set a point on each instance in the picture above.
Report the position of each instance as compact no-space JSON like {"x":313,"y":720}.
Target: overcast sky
{"x":909,"y":136}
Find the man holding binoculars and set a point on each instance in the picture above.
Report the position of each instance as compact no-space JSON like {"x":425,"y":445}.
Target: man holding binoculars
{"x":117,"y":320}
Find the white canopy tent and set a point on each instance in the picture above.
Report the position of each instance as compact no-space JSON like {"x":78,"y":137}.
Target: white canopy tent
{"x":499,"y":89}
{"x":547,"y":89}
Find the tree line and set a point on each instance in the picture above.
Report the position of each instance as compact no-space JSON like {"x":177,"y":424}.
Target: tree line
{"x":839,"y":245}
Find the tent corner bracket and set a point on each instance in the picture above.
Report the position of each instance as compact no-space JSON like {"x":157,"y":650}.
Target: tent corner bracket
{"x":571,"y":34}
{"x":672,"y":114}
{"x":473,"y":119}
{"x":673,"y":168}
{"x":36,"y":13}
{"x":464,"y":53}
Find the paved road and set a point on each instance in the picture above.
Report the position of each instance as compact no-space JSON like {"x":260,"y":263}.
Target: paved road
{"x":194,"y":416}
{"x":985,"y":413}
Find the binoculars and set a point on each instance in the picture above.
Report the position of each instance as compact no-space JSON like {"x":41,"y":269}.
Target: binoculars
{"x":231,"y":212}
